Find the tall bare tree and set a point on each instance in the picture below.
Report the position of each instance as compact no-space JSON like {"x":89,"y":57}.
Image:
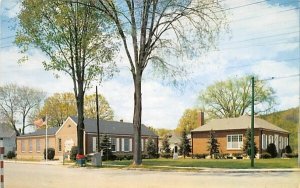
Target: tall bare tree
{"x":30,"y":100}
{"x":9,"y":100}
{"x":73,"y":37}
{"x":155,"y":32}
{"x":16,"y":101}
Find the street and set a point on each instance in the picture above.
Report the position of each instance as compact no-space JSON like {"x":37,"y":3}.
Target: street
{"x":44,"y":176}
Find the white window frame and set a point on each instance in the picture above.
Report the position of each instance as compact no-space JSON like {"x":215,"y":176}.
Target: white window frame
{"x":38,"y":145}
{"x":122,"y":145}
{"x":115,"y":143}
{"x":125,"y":143}
{"x":94,"y":144}
{"x":142,"y":143}
{"x":286,"y":141}
{"x":264,"y":141}
{"x":23,"y":148}
{"x":280,"y":142}
{"x":271,"y":139}
{"x":239,"y":142}
{"x":30,"y":145}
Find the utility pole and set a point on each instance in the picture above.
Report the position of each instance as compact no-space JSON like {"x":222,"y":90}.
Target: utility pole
{"x":97,"y":111}
{"x":252,"y":123}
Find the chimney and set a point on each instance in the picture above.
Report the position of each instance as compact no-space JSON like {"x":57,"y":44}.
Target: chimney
{"x":201,"y":118}
{"x":121,"y":120}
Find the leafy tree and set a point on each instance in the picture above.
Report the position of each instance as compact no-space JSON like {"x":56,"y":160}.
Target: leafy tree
{"x":155,"y":33}
{"x":151,"y":148}
{"x":16,"y":101}
{"x":213,"y":145}
{"x":232,"y":98}
{"x":166,"y":145}
{"x":161,"y":132}
{"x":106,"y":147}
{"x":185,"y":147}
{"x":247,"y":144}
{"x":188,"y":121}
{"x":62,"y":105}
{"x":73,"y":37}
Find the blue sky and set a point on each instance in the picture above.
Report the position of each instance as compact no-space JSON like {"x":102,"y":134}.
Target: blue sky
{"x":264,"y":40}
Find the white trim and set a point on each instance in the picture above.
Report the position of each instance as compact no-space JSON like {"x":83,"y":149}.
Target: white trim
{"x":64,"y":124}
{"x":94,"y":144}
{"x":122,"y":144}
{"x":117,"y":144}
{"x":130,"y":144}
{"x":142,"y":144}
{"x":239,"y":143}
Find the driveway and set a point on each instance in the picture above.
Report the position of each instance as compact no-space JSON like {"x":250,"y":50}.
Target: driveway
{"x":46,"y":176}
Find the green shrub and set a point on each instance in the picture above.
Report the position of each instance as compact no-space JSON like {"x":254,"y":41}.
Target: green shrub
{"x":199,"y":156}
{"x":50,"y":153}
{"x":292,"y":155}
{"x":265,"y":155}
{"x":166,"y":155}
{"x":271,"y":149}
{"x":11,"y":154}
{"x":73,"y":153}
{"x":288,"y":149}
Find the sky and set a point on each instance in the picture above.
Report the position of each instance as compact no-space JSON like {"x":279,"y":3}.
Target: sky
{"x":263,"y":40}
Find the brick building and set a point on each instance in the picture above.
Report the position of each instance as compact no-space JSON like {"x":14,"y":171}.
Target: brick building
{"x":63,"y":138}
{"x":230,"y":133}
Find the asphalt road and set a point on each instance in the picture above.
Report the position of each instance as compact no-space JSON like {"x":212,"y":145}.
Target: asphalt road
{"x":46,"y":176}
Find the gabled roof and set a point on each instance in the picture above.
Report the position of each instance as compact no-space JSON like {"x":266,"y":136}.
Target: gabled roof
{"x":42,"y":132}
{"x":6,"y":131}
{"x":242,"y":122}
{"x":112,"y":127}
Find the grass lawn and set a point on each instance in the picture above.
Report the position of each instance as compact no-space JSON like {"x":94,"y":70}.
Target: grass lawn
{"x":211,"y":163}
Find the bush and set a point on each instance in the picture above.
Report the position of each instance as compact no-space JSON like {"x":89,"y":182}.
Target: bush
{"x":288,"y":149}
{"x":265,"y":155}
{"x":11,"y":154}
{"x":292,"y":155}
{"x":50,"y":153}
{"x":199,"y":156}
{"x":271,"y":149}
{"x":166,"y":155}
{"x":73,"y":153}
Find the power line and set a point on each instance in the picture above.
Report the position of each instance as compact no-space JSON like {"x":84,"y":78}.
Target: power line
{"x":280,"y":77}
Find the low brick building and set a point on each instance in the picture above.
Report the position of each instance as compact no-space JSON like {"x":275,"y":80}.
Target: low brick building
{"x":63,"y":138}
{"x":230,"y":133}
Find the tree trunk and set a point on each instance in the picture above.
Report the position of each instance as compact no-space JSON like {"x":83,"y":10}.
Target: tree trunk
{"x":137,"y":115}
{"x":23,"y":128}
{"x":80,"y":125}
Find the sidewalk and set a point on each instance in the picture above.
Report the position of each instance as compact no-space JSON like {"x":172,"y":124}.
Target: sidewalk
{"x":170,"y":168}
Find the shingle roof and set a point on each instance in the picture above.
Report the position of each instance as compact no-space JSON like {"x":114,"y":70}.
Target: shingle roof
{"x":112,"y":127}
{"x":242,"y":122}
{"x":6,"y":131}
{"x":41,"y":132}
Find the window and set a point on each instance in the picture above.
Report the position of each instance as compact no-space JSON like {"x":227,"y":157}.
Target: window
{"x":117,"y":144}
{"x":113,"y":144}
{"x":59,"y":144}
{"x":264,"y":141}
{"x":270,"y":140}
{"x":280,"y":142}
{"x":142,"y":143}
{"x":38,"y":145}
{"x":126,"y":144}
{"x":94,"y":144}
{"x":30,"y":145}
{"x":235,"y":141}
{"x":286,"y":141}
{"x":23,"y":145}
